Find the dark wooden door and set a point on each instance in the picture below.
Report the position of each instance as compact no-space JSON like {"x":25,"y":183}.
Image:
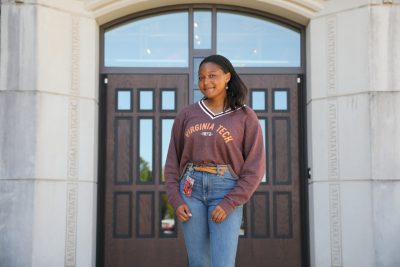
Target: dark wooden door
{"x":272,"y":223}
{"x":139,"y":225}
{"x":140,"y":229}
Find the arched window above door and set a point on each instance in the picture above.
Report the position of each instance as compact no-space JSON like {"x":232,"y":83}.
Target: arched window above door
{"x":171,"y":40}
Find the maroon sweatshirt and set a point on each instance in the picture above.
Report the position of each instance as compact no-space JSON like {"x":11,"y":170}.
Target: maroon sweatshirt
{"x":232,"y":137}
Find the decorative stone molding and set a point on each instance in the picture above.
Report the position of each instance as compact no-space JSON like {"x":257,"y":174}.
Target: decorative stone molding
{"x":335,"y":225}
{"x":73,"y":150}
{"x":334,"y":187}
{"x":331,"y":53}
{"x":297,"y":10}
{"x":333,"y":145}
{"x":71,"y":227}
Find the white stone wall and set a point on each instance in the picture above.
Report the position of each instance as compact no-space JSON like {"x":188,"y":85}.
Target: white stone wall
{"x":353,"y":133}
{"x":17,"y":134}
{"x":385,"y":132}
{"x":49,"y":134}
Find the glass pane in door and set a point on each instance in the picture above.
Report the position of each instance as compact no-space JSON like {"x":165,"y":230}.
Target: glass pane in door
{"x":166,"y":128}
{"x":145,"y":150}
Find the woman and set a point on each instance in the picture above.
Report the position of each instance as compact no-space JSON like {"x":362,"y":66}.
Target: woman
{"x":214,"y":164}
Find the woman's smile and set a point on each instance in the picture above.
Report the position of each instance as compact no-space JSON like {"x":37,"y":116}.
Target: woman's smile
{"x":213,"y":81}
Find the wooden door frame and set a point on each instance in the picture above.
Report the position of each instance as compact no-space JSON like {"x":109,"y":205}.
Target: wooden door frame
{"x":303,"y":160}
{"x":101,"y":166}
{"x":303,"y":175}
{"x":304,"y":171}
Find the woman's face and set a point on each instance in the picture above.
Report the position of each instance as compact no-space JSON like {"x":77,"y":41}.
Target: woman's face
{"x":212,"y":81}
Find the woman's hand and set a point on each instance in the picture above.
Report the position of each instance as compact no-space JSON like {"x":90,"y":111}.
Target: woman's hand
{"x":183,"y":213}
{"x":218,"y":214}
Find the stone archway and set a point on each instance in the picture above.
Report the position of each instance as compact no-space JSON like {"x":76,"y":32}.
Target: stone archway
{"x":299,"y":11}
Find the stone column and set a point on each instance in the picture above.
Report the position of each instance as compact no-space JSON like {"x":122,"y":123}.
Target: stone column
{"x":384,"y":80}
{"x":354,"y":133}
{"x":49,"y":133}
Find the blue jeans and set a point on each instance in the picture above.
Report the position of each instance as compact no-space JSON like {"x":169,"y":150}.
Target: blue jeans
{"x":209,"y":243}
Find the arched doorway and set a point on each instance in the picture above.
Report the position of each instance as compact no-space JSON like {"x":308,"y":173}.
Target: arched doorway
{"x":148,"y":64}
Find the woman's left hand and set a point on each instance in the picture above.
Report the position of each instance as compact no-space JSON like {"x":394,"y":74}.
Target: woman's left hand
{"x":218,"y":214}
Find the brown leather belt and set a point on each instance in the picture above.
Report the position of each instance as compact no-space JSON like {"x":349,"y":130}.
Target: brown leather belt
{"x":211,"y":169}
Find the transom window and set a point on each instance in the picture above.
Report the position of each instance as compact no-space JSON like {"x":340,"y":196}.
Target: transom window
{"x":254,"y":42}
{"x":157,"y":41}
{"x":171,"y":40}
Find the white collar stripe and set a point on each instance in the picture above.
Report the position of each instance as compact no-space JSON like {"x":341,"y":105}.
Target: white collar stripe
{"x":210,"y":113}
